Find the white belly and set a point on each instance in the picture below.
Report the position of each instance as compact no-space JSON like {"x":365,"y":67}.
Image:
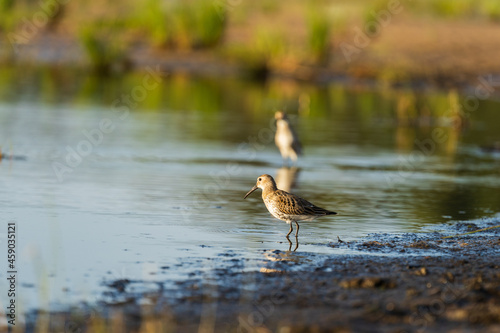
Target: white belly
{"x":275,"y":212}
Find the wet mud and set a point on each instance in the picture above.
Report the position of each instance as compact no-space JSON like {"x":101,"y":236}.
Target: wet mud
{"x":412,"y":282}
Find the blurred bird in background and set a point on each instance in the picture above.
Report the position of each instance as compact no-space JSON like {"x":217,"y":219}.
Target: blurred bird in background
{"x":286,"y":139}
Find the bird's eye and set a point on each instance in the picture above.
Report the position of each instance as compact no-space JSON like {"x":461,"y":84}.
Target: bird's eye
{"x":260,"y":179}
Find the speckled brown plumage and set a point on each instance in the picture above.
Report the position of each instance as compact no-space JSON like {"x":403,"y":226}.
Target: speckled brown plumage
{"x":286,"y":206}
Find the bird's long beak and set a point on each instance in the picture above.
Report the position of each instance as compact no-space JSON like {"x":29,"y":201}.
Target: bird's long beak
{"x":250,"y":192}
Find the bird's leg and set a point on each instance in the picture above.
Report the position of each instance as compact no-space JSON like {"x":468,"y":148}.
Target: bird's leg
{"x":297,"y":231}
{"x":290,"y":231}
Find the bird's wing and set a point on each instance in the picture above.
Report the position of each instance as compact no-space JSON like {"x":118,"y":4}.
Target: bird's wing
{"x":296,"y":145}
{"x":292,"y":204}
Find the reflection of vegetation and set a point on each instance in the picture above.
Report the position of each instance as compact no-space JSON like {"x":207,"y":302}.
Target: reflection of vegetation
{"x":366,"y":111}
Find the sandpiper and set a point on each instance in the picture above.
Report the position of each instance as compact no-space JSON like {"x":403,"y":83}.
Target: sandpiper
{"x":286,"y":139}
{"x":286,"y":206}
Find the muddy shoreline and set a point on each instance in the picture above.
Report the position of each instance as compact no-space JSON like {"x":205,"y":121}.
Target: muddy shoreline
{"x":390,"y":283}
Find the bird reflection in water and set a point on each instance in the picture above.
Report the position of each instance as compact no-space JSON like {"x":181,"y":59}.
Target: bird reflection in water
{"x":286,"y":178}
{"x":286,"y":139}
{"x":278,"y":261}
{"x":291,"y":243}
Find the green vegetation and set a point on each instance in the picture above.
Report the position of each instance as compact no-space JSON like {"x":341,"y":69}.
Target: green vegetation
{"x":268,"y":46}
{"x":10,"y":15}
{"x":15,"y":15}
{"x":261,"y":37}
{"x":478,"y":9}
{"x":491,"y":9}
{"x":182,"y":24}
{"x":451,"y":8}
{"x":318,"y":34}
{"x":371,"y":13}
{"x":106,"y":53}
{"x":6,"y":5}
{"x":266,"y":51}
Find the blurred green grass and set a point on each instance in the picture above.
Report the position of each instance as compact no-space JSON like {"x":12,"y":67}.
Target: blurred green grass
{"x":319,"y":33}
{"x":181,"y":24}
{"x":262,"y":36}
{"x":106,"y":53}
{"x":459,"y":9}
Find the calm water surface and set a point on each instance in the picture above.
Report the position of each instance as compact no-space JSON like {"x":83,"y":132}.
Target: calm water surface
{"x":102,"y":188}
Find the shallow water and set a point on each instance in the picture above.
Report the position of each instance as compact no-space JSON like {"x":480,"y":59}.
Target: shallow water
{"x":102,"y":189}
